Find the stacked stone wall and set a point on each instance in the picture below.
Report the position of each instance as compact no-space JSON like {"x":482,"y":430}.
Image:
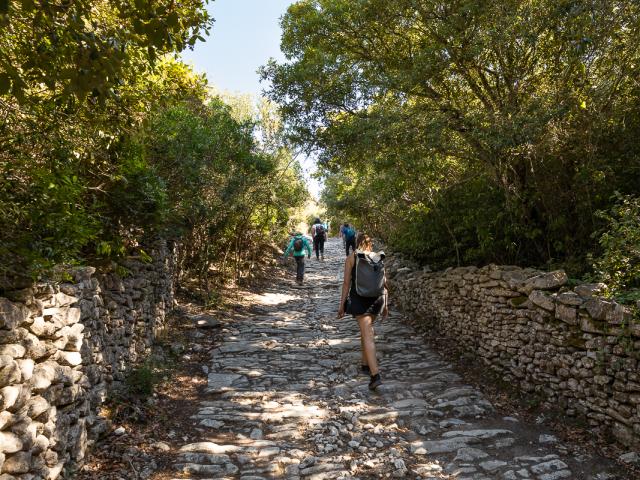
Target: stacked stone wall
{"x":575,"y":350}
{"x":63,"y":346}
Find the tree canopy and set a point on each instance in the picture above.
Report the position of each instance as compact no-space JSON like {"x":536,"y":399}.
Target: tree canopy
{"x":468,"y":131}
{"x":107,"y":141}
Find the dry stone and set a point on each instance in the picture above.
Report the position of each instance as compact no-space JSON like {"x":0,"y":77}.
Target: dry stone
{"x":12,"y":315}
{"x":568,"y":344}
{"x":10,"y":442}
{"x":59,"y":353}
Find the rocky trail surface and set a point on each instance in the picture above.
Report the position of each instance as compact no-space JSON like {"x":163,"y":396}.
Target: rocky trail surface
{"x":285,"y":399}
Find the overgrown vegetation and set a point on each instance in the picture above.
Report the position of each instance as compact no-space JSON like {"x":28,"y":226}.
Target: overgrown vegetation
{"x":473,"y":131}
{"x":619,"y":264}
{"x":106,"y":140}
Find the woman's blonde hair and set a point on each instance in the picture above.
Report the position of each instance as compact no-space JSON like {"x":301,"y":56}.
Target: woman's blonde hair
{"x":364,"y":242}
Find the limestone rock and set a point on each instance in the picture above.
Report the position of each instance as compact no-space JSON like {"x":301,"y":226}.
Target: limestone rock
{"x":42,"y":328}
{"x":12,"y":350}
{"x":12,"y":315}
{"x":37,"y":406}
{"x":542,"y":300}
{"x":19,"y":462}
{"x":632,"y":458}
{"x":598,"y":308}
{"x":570,"y":298}
{"x":567,"y":314}
{"x":10,"y":396}
{"x":83,"y":273}
{"x":206,"y":321}
{"x":9,"y":371}
{"x":71,"y":359}
{"x":590,"y":289}
{"x":26,"y":366}
{"x":43,"y":375}
{"x":10,"y":442}
{"x":547,"y":281}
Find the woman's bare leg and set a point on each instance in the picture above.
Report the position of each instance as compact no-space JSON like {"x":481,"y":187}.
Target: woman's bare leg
{"x":368,"y":341}
{"x":364,"y":357}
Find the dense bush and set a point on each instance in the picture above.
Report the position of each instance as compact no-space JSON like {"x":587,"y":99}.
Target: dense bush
{"x":107,"y":141}
{"x":619,"y":264}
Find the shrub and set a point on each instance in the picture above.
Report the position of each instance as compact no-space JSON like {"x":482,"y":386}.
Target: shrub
{"x":619,"y":264}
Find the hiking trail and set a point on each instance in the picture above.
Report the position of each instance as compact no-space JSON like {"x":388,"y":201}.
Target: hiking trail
{"x":285,"y":399}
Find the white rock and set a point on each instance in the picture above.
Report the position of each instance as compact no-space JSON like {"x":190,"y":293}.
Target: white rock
{"x":72,"y":359}
{"x":161,"y":446}
{"x":10,"y":442}
{"x":209,"y":447}
{"x":13,"y":350}
{"x":26,"y":366}
{"x":10,"y":396}
{"x":43,"y":375}
{"x":547,"y":439}
{"x":37,"y":406}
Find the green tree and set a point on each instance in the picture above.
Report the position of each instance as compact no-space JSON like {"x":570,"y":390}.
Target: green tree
{"x":74,"y":49}
{"x":438,"y":107}
{"x":107,"y":141}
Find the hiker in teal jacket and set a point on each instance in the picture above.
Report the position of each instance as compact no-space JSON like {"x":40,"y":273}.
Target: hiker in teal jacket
{"x":298,"y":244}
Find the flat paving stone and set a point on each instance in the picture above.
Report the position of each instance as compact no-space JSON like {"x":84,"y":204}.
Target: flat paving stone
{"x":285,"y":399}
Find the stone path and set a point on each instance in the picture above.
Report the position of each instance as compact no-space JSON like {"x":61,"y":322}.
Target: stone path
{"x":285,"y":400}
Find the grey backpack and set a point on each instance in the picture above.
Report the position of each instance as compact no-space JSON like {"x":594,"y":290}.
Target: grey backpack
{"x":369,"y":274}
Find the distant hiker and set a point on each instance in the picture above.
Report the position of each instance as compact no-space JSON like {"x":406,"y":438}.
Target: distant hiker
{"x":319,"y":235}
{"x":341,"y":233}
{"x":364,"y":295}
{"x":349,"y":237}
{"x":298,"y":244}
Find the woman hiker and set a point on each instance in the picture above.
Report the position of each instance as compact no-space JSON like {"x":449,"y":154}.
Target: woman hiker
{"x":298,"y":244}
{"x":364,"y":309}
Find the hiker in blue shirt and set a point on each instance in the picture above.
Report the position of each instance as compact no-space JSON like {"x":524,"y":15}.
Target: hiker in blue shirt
{"x":298,"y":244}
{"x":349,"y":235}
{"x":341,"y":233}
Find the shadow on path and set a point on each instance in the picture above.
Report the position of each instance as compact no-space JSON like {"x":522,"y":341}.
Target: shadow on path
{"x":284,"y":399}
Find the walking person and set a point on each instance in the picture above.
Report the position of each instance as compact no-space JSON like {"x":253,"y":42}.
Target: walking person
{"x":364,"y":296}
{"x":341,"y":233}
{"x":319,"y":235}
{"x":349,"y":238}
{"x":298,"y":244}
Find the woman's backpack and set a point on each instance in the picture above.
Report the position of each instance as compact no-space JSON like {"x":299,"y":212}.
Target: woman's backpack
{"x":298,"y":244}
{"x":369,"y":279}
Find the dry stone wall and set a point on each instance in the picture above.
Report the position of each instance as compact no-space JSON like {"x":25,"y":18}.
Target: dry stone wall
{"x":574,"y":349}
{"x":62,"y":348}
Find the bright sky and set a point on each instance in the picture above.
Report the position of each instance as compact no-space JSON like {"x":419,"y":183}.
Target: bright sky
{"x":245,"y":35}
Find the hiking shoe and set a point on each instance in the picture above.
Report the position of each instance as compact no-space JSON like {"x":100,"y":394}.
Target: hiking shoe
{"x":375,"y":382}
{"x":365,"y":370}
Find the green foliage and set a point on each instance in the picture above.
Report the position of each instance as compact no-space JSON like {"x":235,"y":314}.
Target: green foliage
{"x":224,"y":190}
{"x":107,"y":141}
{"x":141,"y":380}
{"x":467,"y":131}
{"x":86,"y":47}
{"x":619,"y":264}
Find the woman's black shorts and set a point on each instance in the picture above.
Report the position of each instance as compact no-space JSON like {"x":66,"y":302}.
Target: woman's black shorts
{"x":357,"y":305}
